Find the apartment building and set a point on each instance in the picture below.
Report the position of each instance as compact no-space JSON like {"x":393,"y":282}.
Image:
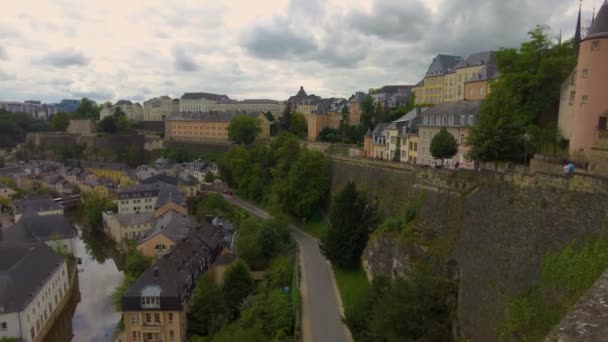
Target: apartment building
{"x":133,"y":111}
{"x":54,"y":230}
{"x":209,"y":102}
{"x":431,"y":88}
{"x":454,"y":88}
{"x":34,"y":282}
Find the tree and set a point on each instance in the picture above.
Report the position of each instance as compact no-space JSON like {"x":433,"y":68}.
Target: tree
{"x":208,"y":310}
{"x":60,"y":121}
{"x":269,"y":116}
{"x":443,"y":145}
{"x":136,"y":263}
{"x":285,"y":119}
{"x":87,"y":110}
{"x":367,"y":112}
{"x":238,"y":285}
{"x":298,"y":125}
{"x":525,"y":96}
{"x":244,"y":129}
{"x":118,"y":112}
{"x":93,"y":205}
{"x":209,"y":177}
{"x":352,"y":219}
{"x":107,"y":125}
{"x":329,"y":134}
{"x":247,"y":243}
{"x":397,"y":156}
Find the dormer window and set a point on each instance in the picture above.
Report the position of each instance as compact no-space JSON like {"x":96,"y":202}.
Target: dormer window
{"x":595,"y":45}
{"x":150,"y":297}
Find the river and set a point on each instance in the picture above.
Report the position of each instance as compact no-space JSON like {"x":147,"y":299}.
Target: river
{"x":95,"y":318}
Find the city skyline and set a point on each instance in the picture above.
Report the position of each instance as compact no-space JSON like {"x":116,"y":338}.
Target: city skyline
{"x":53,"y":51}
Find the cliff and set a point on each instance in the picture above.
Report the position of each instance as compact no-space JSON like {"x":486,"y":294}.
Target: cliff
{"x":489,"y":230}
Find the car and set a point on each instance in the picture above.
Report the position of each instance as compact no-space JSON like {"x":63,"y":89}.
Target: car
{"x":228,"y":192}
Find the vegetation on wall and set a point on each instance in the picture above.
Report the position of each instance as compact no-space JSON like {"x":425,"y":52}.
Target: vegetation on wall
{"x":565,"y":277}
{"x":523,"y":105}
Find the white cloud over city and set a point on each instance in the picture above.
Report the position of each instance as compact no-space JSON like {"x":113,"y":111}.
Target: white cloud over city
{"x":109,"y":50}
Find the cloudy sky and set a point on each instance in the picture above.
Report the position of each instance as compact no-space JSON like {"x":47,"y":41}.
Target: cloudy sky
{"x":137,"y":49}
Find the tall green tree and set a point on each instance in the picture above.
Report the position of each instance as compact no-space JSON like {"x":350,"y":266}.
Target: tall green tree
{"x":298,"y":125}
{"x":60,"y":121}
{"x":208,"y":311}
{"x":238,"y":285}
{"x":525,"y":96}
{"x":443,"y":145}
{"x":107,"y":125}
{"x":352,"y":219}
{"x":244,"y":129}
{"x":87,"y":110}
{"x":367,"y":113}
{"x":285,"y":119}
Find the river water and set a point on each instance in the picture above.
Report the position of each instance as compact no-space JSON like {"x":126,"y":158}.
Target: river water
{"x":95,"y":318}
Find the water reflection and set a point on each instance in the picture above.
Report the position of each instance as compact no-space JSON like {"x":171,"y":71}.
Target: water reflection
{"x":95,"y":318}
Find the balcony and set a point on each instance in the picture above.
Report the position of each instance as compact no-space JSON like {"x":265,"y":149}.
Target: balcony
{"x":151,"y":327}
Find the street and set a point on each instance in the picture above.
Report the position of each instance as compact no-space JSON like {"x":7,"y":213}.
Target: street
{"x":321,"y":319}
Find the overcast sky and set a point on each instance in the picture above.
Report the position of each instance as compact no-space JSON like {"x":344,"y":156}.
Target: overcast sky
{"x":132,"y":49}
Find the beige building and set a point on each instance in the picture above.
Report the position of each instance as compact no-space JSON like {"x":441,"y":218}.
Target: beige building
{"x":431,"y":91}
{"x":479,"y":86}
{"x":208,"y":102}
{"x":457,"y":117}
{"x":168,"y":230}
{"x":402,"y":137}
{"x":583,"y":116}
{"x":454,"y":81}
{"x":133,"y":111}
{"x":208,"y":127}
{"x":6,"y":192}
{"x":158,"y":108}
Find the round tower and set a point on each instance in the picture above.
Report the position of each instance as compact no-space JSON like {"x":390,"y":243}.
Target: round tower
{"x":591,"y":101}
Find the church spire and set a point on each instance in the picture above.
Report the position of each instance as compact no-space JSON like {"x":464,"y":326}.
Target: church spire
{"x":577,"y":34}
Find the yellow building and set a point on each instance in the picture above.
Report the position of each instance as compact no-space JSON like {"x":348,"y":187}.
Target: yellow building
{"x":117,"y":172}
{"x":208,"y":127}
{"x":454,"y":82}
{"x":402,"y":137}
{"x":431,"y":89}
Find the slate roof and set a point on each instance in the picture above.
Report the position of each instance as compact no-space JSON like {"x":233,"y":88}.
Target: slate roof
{"x":188,"y":180}
{"x":133,"y":219}
{"x":169,"y":193}
{"x":455,"y":108}
{"x":477,"y":59}
{"x":154,"y":126}
{"x":32,"y":227}
{"x":357,"y":97}
{"x":301,"y":92}
{"x":490,"y":72}
{"x":442,"y":64}
{"x":123,"y":102}
{"x":412,"y":114}
{"x":202,"y":95}
{"x":174,"y":273}
{"x":599,"y":28}
{"x":260,"y":101}
{"x":391,"y":89}
{"x":163,"y":178}
{"x":24,"y":270}
{"x":209,"y":116}
{"x":226,"y":258}
{"x":37,"y":203}
{"x":379,"y":129}
{"x":174,"y":226}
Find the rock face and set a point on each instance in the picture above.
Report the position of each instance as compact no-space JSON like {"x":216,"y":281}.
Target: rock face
{"x":490,"y":231}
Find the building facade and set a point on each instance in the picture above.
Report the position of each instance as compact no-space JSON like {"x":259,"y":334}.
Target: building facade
{"x":133,"y":111}
{"x":208,"y":102}
{"x":455,"y":80}
{"x":157,"y":109}
{"x":209,"y":127}
{"x":392,"y":96}
{"x":431,"y":91}
{"x":479,"y":86}
{"x":34,"y":282}
{"x":457,"y":117}
{"x":36,"y":109}
{"x":69,"y":106}
{"x":584,"y":105}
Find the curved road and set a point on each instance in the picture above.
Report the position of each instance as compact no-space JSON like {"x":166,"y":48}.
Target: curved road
{"x":321,"y":318}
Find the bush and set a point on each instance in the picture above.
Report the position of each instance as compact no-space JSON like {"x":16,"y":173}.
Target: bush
{"x":238,"y":285}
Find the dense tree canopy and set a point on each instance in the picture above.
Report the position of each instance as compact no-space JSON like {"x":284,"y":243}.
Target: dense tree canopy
{"x":524,"y":100}
{"x":60,"y":121}
{"x":238,"y":285}
{"x":244,"y":129}
{"x":87,"y":110}
{"x":107,"y":125}
{"x":352,"y":219}
{"x":208,"y":311}
{"x":298,"y":126}
{"x":443,"y":145}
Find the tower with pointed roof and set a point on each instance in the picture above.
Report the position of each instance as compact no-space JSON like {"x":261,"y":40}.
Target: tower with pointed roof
{"x":587,"y":101}
{"x":577,"y":33}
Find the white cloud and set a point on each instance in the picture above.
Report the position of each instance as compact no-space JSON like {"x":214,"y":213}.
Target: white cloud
{"x":244,"y":48}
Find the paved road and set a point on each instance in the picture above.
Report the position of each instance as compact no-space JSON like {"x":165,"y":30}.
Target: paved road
{"x":320,"y":309}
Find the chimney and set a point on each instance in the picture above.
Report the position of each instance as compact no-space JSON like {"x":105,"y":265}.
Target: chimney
{"x":155,"y":272}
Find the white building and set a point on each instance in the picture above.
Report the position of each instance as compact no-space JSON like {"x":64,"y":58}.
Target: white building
{"x":34,"y":282}
{"x":133,"y":111}
{"x":158,"y":108}
{"x":36,"y":109}
{"x":207,"y":102}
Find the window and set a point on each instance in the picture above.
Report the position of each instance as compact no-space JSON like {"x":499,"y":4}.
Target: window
{"x":444,"y":121}
{"x":415,"y":146}
{"x":463,"y":120}
{"x":595,"y":45}
{"x":451,"y":120}
{"x":585,"y":73}
{"x":148,"y":318}
{"x":603,"y":123}
{"x":461,"y":139}
{"x":171,"y":335}
{"x":3,"y":326}
{"x":471,"y":91}
{"x":157,"y":317}
{"x":170,"y":318}
{"x":585,"y":99}
{"x":470,"y":119}
{"x":134,"y":335}
{"x":135,"y":318}
{"x":481,"y":90}
{"x":572,"y":97}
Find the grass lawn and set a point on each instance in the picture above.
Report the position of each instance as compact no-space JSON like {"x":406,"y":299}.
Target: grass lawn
{"x":315,"y":228}
{"x":352,"y":285}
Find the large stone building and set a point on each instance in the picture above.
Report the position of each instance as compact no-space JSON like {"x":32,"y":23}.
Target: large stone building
{"x":457,"y":117}
{"x":303,"y":103}
{"x":36,"y":109}
{"x":392,"y":96}
{"x":454,"y":82}
{"x":328,"y":113}
{"x":583,"y":114}
{"x":34,"y":282}
{"x":431,"y":89}
{"x":208,"y":102}
{"x":479,"y":86}
{"x":158,"y":108}
{"x":208,"y":127}
{"x":133,"y":111}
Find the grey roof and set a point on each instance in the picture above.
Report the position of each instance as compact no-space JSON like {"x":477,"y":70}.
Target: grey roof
{"x":391,"y":89}
{"x":260,"y":101}
{"x":209,"y":116}
{"x":134,"y":219}
{"x":104,"y":165}
{"x":490,"y":72}
{"x":174,"y":226}
{"x":123,"y":102}
{"x":599,"y":28}
{"x":301,"y":92}
{"x":24,"y":270}
{"x":455,"y":108}
{"x":32,"y":227}
{"x":442,"y":64}
{"x":477,"y":59}
{"x":380,"y":129}
{"x":412,"y":114}
{"x":37,"y":203}
{"x":169,"y":193}
{"x":208,"y":96}
{"x":225,"y":259}
{"x":163,"y":178}
{"x":357,"y":97}
{"x":187,"y":179}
